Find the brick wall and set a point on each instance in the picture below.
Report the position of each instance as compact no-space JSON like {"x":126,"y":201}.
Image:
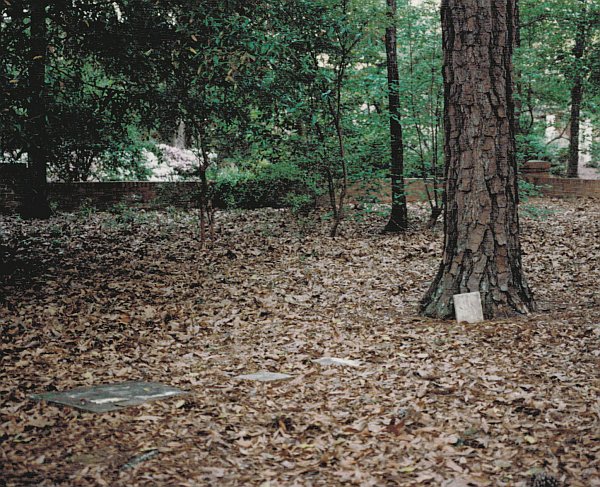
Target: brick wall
{"x":549,"y":186}
{"x":14,"y":184}
{"x":142,"y":194}
{"x":380,"y":191}
{"x":566,"y":188}
{"x":154,"y":195}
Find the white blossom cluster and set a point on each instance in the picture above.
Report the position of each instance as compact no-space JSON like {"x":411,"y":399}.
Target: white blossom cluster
{"x":175,"y":164}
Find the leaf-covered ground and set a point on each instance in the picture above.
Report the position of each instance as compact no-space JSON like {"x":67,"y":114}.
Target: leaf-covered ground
{"x":94,"y":299}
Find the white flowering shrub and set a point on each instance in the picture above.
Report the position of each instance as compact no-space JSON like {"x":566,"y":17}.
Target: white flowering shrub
{"x":174,"y":164}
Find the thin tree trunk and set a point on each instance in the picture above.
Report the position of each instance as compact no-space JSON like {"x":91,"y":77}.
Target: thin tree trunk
{"x":398,"y":218}
{"x":336,"y":114}
{"x":339,"y":214}
{"x":329,"y":177}
{"x":205,"y":213}
{"x":37,"y":206}
{"x":576,"y":96}
{"x":482,"y":251}
{"x":518,"y":103}
{"x":437,"y":204}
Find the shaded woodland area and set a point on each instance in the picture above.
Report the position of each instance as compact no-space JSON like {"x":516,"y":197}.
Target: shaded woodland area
{"x":288,"y":95}
{"x":305,"y":333}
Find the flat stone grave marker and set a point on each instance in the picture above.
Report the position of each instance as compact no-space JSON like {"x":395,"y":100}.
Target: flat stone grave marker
{"x":343,"y":362}
{"x":110,"y":397}
{"x":468,"y":308}
{"x":265,"y":376}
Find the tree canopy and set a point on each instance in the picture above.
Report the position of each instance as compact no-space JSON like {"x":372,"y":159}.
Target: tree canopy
{"x":295,"y":91}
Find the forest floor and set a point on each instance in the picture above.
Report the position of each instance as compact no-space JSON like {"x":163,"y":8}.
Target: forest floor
{"x":98,"y":298}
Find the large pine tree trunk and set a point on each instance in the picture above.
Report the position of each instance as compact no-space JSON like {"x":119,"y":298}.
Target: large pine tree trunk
{"x":37,"y":206}
{"x":398,"y":218}
{"x":576,"y":96}
{"x":481,"y":247}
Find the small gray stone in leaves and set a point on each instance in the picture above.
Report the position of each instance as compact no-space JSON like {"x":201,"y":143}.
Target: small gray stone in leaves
{"x":337,"y":361}
{"x":265,"y":377}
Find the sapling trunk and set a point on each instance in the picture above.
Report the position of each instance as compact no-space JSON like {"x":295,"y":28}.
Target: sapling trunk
{"x":206,"y":217}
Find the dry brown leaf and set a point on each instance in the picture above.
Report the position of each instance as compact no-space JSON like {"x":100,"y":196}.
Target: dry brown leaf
{"x":145,"y":302}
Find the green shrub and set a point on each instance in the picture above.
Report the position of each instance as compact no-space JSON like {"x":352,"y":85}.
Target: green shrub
{"x":277,"y":185}
{"x":559,"y":161}
{"x":300,"y":204}
{"x":529,"y":208}
{"x":528,"y":190}
{"x":532,"y":146}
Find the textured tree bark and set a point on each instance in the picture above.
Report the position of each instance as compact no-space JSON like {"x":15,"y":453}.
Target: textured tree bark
{"x":398,"y":218}
{"x":481,"y":226}
{"x":37,"y":206}
{"x":576,"y":96}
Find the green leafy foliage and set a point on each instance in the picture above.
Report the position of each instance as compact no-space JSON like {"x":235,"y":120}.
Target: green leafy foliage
{"x":277,"y":186}
{"x":546,"y":69}
{"x":286,"y":94}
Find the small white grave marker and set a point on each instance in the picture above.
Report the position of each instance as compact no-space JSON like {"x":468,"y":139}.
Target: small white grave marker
{"x":468,"y":308}
{"x":337,"y":361}
{"x":264,"y":376}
